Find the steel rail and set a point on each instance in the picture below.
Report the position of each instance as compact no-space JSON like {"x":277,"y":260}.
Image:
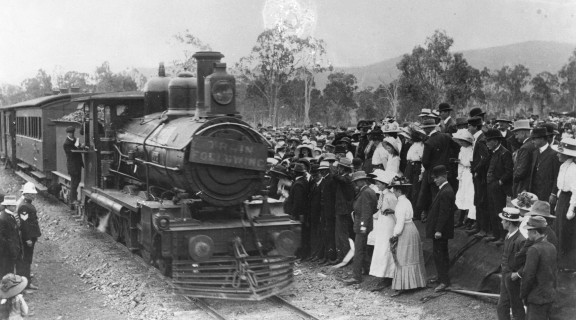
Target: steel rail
{"x":294,"y":308}
{"x":206,"y":307}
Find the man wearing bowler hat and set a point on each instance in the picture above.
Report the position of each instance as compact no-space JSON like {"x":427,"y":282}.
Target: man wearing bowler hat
{"x":498,"y":182}
{"x":479,"y":168}
{"x":544,"y":168}
{"x":344,"y":197}
{"x":522,"y":157}
{"x":298,"y":206}
{"x":447,"y":124}
{"x":74,"y":164}
{"x":538,"y":277}
{"x":510,"y":289}
{"x":440,"y":226}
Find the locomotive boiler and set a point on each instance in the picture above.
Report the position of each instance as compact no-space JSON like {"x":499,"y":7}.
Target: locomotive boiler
{"x":178,"y":176}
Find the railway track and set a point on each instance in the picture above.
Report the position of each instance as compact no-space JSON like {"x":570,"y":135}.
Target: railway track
{"x":203,"y":304}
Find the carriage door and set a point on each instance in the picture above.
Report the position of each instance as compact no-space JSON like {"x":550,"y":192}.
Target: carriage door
{"x":92,"y":135}
{"x":10,"y":136}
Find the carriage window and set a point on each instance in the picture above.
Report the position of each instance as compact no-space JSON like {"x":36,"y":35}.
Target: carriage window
{"x":29,"y":127}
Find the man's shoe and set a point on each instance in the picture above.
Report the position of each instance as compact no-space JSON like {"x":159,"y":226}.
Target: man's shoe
{"x":441,"y":287}
{"x":472,"y":232}
{"x":32,"y":287}
{"x":351,"y":281}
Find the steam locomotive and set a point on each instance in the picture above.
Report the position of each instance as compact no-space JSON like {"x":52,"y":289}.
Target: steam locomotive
{"x":175,"y":172}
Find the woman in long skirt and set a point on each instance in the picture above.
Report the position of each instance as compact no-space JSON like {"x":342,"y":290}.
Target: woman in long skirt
{"x":410,"y":272}
{"x":565,"y":224}
{"x":465,"y":193}
{"x":382,"y":265}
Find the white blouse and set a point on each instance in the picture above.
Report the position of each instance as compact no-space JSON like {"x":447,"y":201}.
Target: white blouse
{"x":380,"y":156}
{"x":415,"y":152}
{"x":403,"y":213}
{"x":567,"y":179}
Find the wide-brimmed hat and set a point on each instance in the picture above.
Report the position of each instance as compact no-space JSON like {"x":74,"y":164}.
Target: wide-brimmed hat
{"x":464,"y":135}
{"x":428,"y":123}
{"x":299,"y":168}
{"x":476,"y":112}
{"x":393,"y":143}
{"x":539,"y":132}
{"x":398,"y":182}
{"x":29,"y":187}
{"x":491,"y":134}
{"x":510,"y":214}
{"x":324,"y":165}
{"x":359,"y":175}
{"x":382,"y":176}
{"x":279,"y":171}
{"x":551,"y":128}
{"x":566,"y":146}
{"x":391,"y":128}
{"x":345,"y":162}
{"x":536,"y":222}
{"x":523,"y":124}
{"x":329,"y":157}
{"x":444,"y":107}
{"x":524,"y":201}
{"x":304,"y":146}
{"x":540,"y":208}
{"x":475,"y":121}
{"x":9,"y":201}
{"x":425,"y":112}
{"x":12,"y":285}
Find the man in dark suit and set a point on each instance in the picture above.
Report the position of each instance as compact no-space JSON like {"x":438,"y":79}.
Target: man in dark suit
{"x":522,"y":157}
{"x":498,"y":182}
{"x":440,"y":225}
{"x":510,"y":289}
{"x":538,"y":285}
{"x":343,"y":199}
{"x":328,"y":214}
{"x":437,"y":150}
{"x":10,"y":243}
{"x":509,"y":141}
{"x":74,"y":164}
{"x":447,"y":124}
{"x":297,"y":205}
{"x":479,"y":169}
{"x":545,"y":166}
{"x":365,"y":204}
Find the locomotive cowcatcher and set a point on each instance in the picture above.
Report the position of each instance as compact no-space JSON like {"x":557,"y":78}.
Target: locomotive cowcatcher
{"x":177,"y":176}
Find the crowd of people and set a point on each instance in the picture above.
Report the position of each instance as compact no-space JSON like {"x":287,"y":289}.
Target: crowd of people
{"x":358,"y":192}
{"x":19,"y":231}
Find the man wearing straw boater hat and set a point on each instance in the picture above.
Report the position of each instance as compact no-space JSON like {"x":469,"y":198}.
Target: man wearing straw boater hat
{"x":365,"y":204}
{"x":522,"y":157}
{"x":538,"y":277}
{"x":545,"y":167}
{"x":510,"y":289}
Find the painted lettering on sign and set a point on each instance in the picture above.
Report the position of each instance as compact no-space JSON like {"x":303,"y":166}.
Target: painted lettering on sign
{"x":229,"y":153}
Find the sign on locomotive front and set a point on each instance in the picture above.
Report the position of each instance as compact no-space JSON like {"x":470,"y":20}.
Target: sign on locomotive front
{"x":229,"y":153}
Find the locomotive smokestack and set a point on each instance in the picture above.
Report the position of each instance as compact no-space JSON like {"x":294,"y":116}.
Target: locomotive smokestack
{"x":206,"y":61}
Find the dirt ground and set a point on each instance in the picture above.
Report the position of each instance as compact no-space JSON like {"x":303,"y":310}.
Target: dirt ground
{"x":83,"y":274}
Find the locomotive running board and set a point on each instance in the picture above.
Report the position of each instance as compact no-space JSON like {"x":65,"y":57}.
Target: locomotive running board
{"x":254,"y":279}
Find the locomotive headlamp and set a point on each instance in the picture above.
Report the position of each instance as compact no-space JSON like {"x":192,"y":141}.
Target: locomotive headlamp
{"x":200,"y":247}
{"x":163,"y":223}
{"x":223,"y":92}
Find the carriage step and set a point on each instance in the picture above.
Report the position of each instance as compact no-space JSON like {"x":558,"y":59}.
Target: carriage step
{"x":23,"y":166}
{"x":39,"y":186}
{"x":38,"y":175}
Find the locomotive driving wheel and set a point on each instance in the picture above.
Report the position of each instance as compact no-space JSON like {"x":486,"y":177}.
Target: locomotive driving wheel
{"x":116,"y":227}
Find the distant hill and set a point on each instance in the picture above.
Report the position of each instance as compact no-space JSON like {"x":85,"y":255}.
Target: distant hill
{"x":537,"y":56}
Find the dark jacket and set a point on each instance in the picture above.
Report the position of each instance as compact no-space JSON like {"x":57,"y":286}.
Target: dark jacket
{"x":539,"y":274}
{"x":297,"y":203}
{"x":522,"y":167}
{"x":511,"y":247}
{"x":501,"y":168}
{"x":441,"y":214}
{"x":74,"y":163}
{"x":327,"y":200}
{"x":30,"y":229}
{"x":479,"y":168}
{"x":362,"y":144}
{"x":10,"y":244}
{"x":449,"y":127}
{"x":365,"y":205}
{"x":511,"y":142}
{"x":545,"y":167}
{"x":344,"y":194}
{"x":437,"y":150}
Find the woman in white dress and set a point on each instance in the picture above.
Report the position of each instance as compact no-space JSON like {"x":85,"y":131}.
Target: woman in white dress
{"x":465,"y":193}
{"x":410,"y":271}
{"x":382,"y":265}
{"x":393,"y":147}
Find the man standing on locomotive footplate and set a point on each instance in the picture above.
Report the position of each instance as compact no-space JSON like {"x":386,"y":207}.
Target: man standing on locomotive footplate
{"x":74,"y":164}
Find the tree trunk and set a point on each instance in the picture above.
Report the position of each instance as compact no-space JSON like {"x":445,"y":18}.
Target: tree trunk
{"x":307,"y":89}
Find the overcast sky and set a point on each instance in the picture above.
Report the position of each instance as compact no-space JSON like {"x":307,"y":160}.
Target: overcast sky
{"x":79,"y":35}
